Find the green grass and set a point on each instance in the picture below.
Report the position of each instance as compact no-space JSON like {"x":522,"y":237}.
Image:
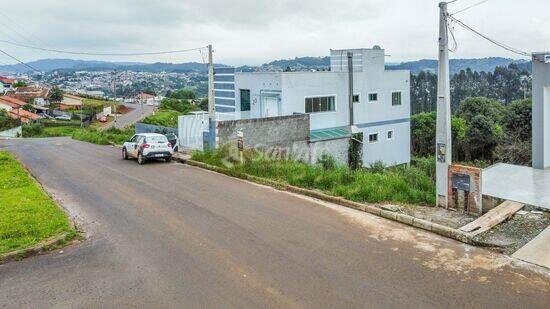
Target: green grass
{"x":166,"y":118}
{"x":402,"y":184}
{"x":116,"y":136}
{"x":27,"y":214}
{"x":40,"y":131}
{"x":95,"y":103}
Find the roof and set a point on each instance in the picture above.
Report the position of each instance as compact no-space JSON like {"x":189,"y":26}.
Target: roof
{"x":13,"y":102}
{"x":144,"y":95}
{"x":328,"y":134}
{"x":6,"y":80}
{"x":25,"y":116}
{"x":149,"y":134}
{"x":68,"y":95}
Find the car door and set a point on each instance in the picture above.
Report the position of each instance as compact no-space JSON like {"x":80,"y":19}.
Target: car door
{"x":131,"y":147}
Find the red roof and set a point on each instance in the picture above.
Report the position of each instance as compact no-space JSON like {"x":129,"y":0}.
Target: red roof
{"x":12,"y":101}
{"x":25,"y":116}
{"x":6,"y":80}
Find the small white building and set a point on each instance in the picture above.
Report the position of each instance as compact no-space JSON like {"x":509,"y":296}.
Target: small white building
{"x":381,"y":101}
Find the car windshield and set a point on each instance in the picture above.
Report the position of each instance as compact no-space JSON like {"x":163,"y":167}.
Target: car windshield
{"x":157,"y":139}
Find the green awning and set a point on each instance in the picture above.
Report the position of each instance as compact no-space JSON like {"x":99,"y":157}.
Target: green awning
{"x":327,"y":134}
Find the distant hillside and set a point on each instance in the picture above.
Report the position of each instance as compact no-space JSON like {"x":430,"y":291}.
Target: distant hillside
{"x":480,"y":65}
{"x":296,"y":64}
{"x":48,"y":65}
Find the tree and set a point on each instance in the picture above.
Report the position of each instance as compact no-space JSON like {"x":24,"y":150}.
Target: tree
{"x":29,"y":108}
{"x":20,"y":83}
{"x":56,"y":95}
{"x":472,"y":107}
{"x":423,"y":128}
{"x":517,"y":121}
{"x":184,"y":94}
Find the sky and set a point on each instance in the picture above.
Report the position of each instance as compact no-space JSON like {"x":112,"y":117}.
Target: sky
{"x":258,"y":31}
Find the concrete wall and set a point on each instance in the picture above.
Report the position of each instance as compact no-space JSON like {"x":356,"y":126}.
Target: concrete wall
{"x":15,"y":132}
{"x":541,"y":111}
{"x":337,"y":148}
{"x":280,"y":132}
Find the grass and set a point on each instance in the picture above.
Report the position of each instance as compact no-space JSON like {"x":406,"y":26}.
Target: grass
{"x":402,"y":184}
{"x":106,"y":137}
{"x":27,"y":214}
{"x":41,"y":131}
{"x":96,"y":103}
{"x":166,"y":118}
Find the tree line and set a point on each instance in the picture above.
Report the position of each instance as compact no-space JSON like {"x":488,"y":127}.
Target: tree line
{"x":483,"y":129}
{"x":504,"y":84}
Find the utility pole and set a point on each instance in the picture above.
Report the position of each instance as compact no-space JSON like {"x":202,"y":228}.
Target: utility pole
{"x":350,"y":85}
{"x":114,"y":105}
{"x":443,"y":131}
{"x":211,"y":102}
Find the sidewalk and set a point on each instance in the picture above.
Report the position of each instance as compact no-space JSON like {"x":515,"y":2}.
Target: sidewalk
{"x":537,"y":251}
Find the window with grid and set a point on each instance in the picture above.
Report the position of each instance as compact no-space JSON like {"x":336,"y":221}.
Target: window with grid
{"x":396,"y":98}
{"x":320,"y":104}
{"x":373,"y":97}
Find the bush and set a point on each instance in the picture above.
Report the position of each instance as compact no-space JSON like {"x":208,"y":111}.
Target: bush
{"x":327,"y":162}
{"x":33,"y":130}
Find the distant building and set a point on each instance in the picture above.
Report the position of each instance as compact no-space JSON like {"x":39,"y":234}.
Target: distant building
{"x":147,"y":99}
{"x":381,"y":108}
{"x":35,"y":95}
{"x":71,"y":102}
{"x":15,"y":110}
{"x":6,"y":83}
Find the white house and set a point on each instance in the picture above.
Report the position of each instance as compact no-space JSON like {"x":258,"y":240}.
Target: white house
{"x":381,"y":101}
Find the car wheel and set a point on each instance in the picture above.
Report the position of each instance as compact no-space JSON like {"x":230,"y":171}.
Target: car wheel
{"x":124,"y":154}
{"x":168,"y":159}
{"x":140,"y":159}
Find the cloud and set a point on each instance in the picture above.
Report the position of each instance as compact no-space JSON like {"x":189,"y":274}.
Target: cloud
{"x":256,"y":31}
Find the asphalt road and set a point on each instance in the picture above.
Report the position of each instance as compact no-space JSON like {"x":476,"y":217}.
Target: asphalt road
{"x":137,"y":113}
{"x":170,"y":235}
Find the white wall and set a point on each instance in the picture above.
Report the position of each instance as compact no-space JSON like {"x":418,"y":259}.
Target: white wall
{"x":390,"y":151}
{"x":373,"y":78}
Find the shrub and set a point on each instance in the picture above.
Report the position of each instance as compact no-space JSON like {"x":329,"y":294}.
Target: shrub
{"x":327,"y":162}
{"x":32,"y":130}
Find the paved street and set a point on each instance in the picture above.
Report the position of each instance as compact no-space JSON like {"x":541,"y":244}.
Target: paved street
{"x":138,"y":113}
{"x":170,"y":235}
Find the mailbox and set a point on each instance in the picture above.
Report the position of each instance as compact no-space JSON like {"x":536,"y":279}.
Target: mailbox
{"x":461,"y":182}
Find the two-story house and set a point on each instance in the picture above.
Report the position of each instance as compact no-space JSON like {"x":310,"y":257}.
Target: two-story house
{"x":381,"y":108}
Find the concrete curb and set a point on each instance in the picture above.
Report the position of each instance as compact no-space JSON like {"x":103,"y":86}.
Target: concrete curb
{"x":34,"y":250}
{"x":402,"y":218}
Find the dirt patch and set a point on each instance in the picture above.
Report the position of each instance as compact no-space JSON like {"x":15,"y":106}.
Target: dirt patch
{"x":123,"y":109}
{"x":518,"y":231}
{"x":450,"y":218}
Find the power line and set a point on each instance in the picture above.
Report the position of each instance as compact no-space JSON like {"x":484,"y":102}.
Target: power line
{"x":21,"y":62}
{"x":103,"y":54}
{"x":502,"y":45}
{"x":469,"y":7}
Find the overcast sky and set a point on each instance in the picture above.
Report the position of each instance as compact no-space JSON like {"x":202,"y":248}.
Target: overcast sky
{"x":258,"y":31}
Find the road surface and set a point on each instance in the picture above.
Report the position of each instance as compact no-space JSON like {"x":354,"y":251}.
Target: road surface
{"x":175,"y":236}
{"x":137,"y":113}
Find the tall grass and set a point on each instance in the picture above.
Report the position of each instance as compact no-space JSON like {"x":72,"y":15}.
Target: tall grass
{"x":110,"y":136}
{"x":401,"y":184}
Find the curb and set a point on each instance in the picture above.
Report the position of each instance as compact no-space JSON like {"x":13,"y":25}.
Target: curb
{"x":436,"y":228}
{"x":35,"y":250}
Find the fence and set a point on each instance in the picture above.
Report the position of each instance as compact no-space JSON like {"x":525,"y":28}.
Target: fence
{"x":149,"y":128}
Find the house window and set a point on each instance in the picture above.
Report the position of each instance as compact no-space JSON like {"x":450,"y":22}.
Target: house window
{"x":373,"y":97}
{"x":245,"y":100}
{"x":356,"y":98}
{"x":396,"y":98}
{"x":373,"y":138}
{"x":320,"y":104}
{"x":390,"y":134}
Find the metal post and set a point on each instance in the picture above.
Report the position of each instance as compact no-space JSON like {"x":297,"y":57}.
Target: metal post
{"x":350,"y":84}
{"x":211,"y":101}
{"x":443,"y":132}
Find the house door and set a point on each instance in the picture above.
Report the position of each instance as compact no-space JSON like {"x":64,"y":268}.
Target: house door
{"x":271,"y":105}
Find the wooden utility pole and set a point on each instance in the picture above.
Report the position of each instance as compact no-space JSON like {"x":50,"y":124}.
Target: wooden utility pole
{"x":211,"y":101}
{"x":443,"y":128}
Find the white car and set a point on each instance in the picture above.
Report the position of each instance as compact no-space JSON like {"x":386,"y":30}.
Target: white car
{"x":146,"y":146}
